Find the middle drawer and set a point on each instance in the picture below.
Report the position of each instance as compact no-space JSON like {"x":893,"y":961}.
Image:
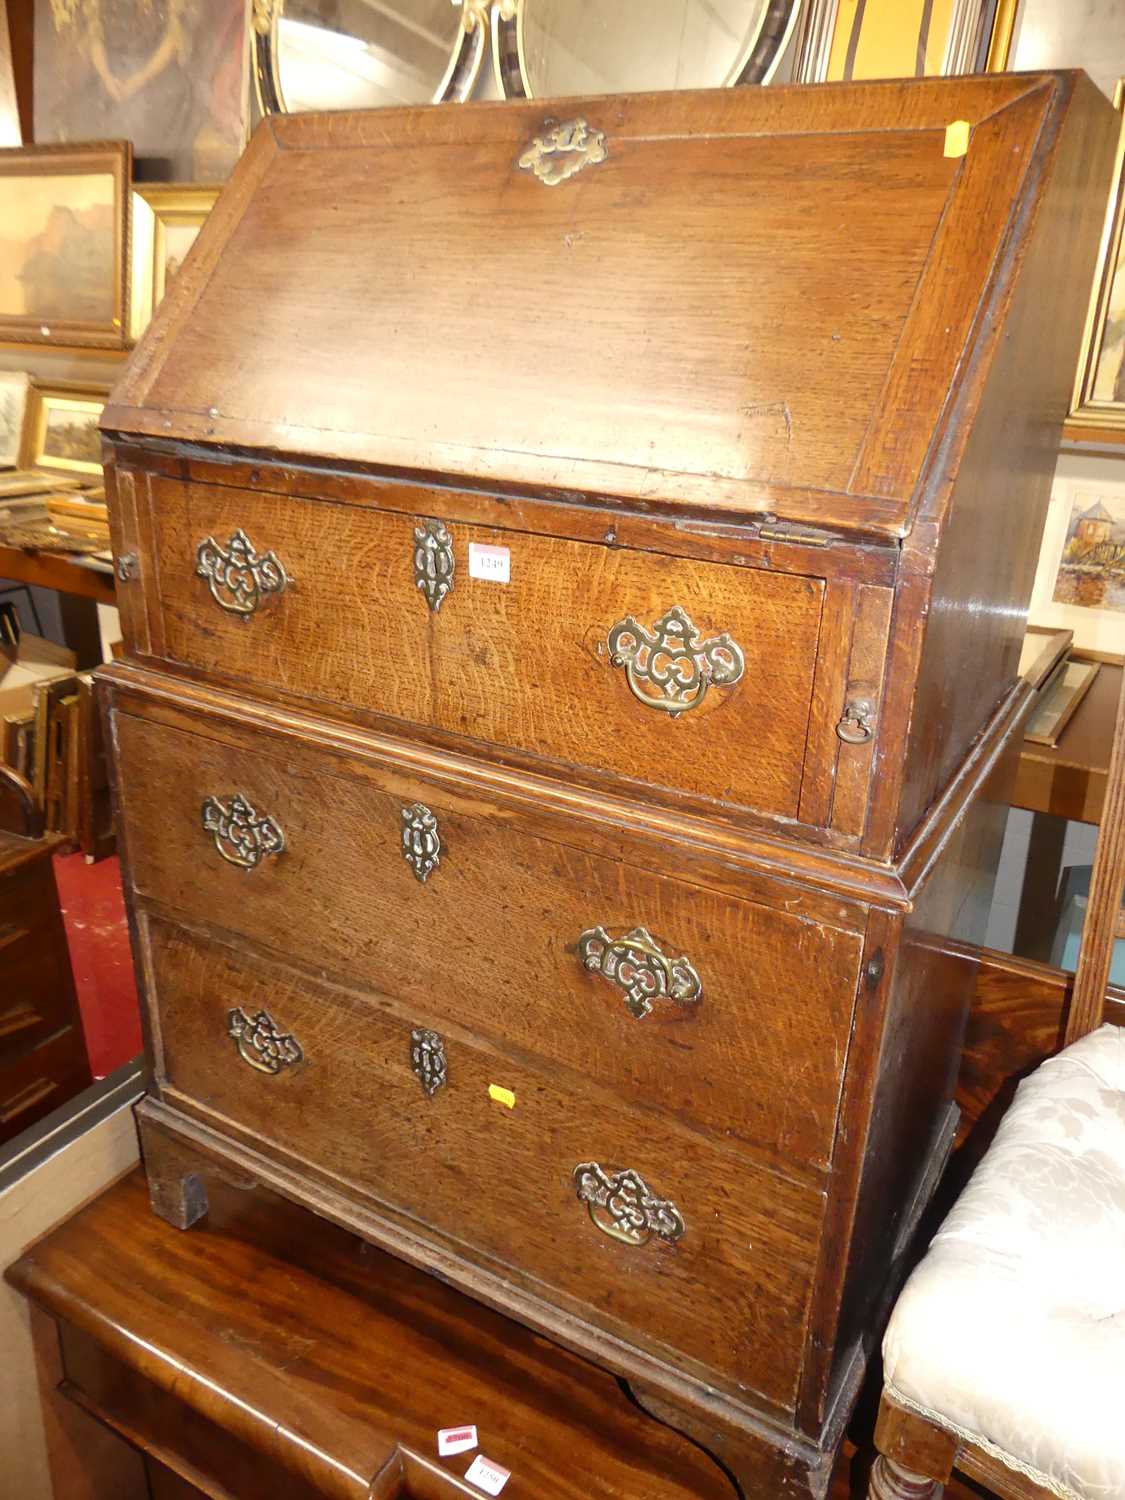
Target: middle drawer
{"x":734,"y":1014}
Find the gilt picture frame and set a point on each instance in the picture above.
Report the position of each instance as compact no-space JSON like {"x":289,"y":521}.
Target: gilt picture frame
{"x":166,"y":221}
{"x":64,"y":245}
{"x":61,"y":431}
{"x":1098,"y":409}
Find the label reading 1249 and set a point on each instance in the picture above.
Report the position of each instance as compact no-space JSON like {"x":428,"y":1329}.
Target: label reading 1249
{"x":493,"y":563}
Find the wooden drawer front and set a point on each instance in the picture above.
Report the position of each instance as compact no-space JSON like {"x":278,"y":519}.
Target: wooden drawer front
{"x":491,"y":938}
{"x":37,"y":992}
{"x":524,"y":664}
{"x":38,"y":1081}
{"x":731,"y":1292}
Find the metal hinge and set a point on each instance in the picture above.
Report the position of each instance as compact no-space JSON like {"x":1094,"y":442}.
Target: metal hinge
{"x":790,"y":531}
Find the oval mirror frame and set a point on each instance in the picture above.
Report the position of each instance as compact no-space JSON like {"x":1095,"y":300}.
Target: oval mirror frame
{"x":757,"y":64}
{"x":456,"y":85}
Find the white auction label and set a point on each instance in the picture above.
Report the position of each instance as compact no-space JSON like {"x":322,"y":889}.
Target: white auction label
{"x":489,"y":1476}
{"x":452,"y":1440}
{"x":493,"y":563}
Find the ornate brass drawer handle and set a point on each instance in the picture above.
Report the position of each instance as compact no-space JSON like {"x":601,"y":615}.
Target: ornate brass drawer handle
{"x":636,"y":965}
{"x":670,"y":667}
{"x":622,"y":1205}
{"x":238,"y":578}
{"x":262,"y":1043}
{"x":241,"y":836}
{"x":421,"y":841}
{"x":562,"y":151}
{"x":427,"y":1058}
{"x":433,"y":561}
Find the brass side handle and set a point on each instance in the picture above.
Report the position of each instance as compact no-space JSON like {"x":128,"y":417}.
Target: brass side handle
{"x":857,"y":723}
{"x":622,"y":1205}
{"x":671,"y":666}
{"x":261,"y":1042}
{"x":242,"y":836}
{"x":638,"y":967}
{"x":238,"y":578}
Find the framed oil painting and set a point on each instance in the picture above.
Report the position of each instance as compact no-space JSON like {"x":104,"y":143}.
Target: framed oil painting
{"x":166,"y":221}
{"x":171,"y":76}
{"x":61,"y":431}
{"x":1099,"y":395}
{"x":64,"y":235}
{"x":1080,"y":582}
{"x":13,"y":408}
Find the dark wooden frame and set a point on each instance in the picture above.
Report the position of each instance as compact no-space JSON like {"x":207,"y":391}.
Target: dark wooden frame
{"x":95,"y":157}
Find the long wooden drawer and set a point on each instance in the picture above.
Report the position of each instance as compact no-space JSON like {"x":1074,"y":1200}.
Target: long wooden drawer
{"x":732,"y":1014}
{"x":722,"y":1267}
{"x":321,"y":600}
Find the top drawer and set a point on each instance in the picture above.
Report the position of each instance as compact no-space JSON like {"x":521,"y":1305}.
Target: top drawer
{"x":665,"y":671}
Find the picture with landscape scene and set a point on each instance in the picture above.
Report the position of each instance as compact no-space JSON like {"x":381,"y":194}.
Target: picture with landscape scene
{"x":1091,"y":570}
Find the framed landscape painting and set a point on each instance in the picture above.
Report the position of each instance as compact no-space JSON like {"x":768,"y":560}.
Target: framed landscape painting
{"x":61,"y":431}
{"x":1080,"y":583}
{"x":64,"y":236}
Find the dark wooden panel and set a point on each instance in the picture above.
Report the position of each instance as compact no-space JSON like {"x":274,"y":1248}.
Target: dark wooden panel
{"x":324,"y":1355}
{"x":986,"y":565}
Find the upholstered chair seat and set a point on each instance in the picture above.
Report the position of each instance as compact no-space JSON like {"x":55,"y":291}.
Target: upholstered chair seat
{"x":1010,"y":1333}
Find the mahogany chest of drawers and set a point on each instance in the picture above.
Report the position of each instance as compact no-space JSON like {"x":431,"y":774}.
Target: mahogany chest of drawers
{"x":573,"y":568}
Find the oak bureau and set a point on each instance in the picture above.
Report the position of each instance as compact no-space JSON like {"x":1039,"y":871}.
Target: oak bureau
{"x":573,"y":560}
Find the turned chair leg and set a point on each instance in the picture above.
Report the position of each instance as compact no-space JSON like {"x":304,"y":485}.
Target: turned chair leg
{"x":890,"y":1482}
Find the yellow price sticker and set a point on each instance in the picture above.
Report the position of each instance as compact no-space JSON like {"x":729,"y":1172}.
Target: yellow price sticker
{"x":501,"y":1096}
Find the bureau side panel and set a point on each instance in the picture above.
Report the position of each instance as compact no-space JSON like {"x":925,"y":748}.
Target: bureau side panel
{"x":899,"y":1114}
{"x":992,"y":520}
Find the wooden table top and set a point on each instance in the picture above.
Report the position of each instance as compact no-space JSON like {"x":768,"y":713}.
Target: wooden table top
{"x":337,"y":1362}
{"x":1069,"y":781}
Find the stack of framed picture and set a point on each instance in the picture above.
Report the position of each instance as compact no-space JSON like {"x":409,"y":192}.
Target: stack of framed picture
{"x":85,"y":259}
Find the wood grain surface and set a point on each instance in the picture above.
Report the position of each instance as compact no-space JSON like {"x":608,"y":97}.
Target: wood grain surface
{"x":489,"y":942}
{"x":729,"y":1295}
{"x":324,"y":1363}
{"x":524,"y":664}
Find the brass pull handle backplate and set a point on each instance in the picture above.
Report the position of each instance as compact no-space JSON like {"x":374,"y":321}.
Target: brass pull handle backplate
{"x":636,"y":965}
{"x":670,"y":667}
{"x":241,"y":836}
{"x":238,"y":578}
{"x":261,"y":1042}
{"x":622,"y":1205}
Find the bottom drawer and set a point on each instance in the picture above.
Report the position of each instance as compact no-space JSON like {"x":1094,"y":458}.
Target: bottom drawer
{"x":702,"y":1253}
